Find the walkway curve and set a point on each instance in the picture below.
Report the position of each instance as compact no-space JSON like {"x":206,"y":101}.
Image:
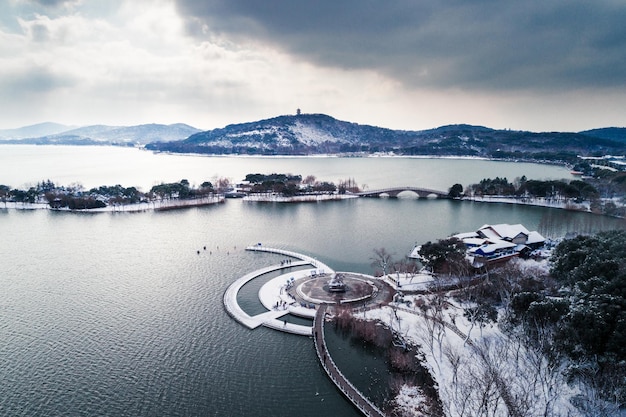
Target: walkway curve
{"x":357,"y":398}
{"x":270,"y":318}
{"x":314,"y":262}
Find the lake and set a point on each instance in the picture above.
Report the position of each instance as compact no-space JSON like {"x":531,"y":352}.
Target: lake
{"x":115,"y":314}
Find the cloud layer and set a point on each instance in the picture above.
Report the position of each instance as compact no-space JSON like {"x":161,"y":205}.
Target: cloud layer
{"x":539,"y":65}
{"x":482,"y":44}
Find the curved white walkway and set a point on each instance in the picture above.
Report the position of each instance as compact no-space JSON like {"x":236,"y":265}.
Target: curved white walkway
{"x":272,"y":317}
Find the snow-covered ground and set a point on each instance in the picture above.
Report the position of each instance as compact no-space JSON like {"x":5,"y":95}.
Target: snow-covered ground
{"x":274,"y":296}
{"x":311,"y":135}
{"x":474,"y":376}
{"x":478,"y":370}
{"x":537,"y":201}
{"x":410,"y":282}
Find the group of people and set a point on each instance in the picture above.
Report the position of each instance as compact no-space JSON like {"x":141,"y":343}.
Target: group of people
{"x":283,"y":290}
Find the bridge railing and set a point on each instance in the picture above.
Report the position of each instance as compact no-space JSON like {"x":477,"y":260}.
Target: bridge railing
{"x":345,"y":386}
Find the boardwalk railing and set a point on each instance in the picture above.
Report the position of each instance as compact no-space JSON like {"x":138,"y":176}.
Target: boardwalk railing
{"x":350,"y":391}
{"x":314,"y":262}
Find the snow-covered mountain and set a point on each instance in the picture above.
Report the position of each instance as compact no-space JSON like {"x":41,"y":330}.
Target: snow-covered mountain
{"x":300,"y":134}
{"x":306,"y":134}
{"x":50,"y":133}
{"x":309,"y":134}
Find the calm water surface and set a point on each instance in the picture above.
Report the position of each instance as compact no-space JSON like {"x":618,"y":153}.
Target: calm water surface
{"x":115,"y":314}
{"x":92,"y":166}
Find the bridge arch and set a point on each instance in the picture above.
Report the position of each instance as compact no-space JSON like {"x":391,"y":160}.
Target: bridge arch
{"x":394,"y":192}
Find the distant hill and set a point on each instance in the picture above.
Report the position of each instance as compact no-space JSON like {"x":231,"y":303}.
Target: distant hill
{"x":308,"y":134}
{"x":32,"y":131}
{"x":303,"y":134}
{"x":99,"y":134}
{"x":140,"y":134}
{"x":617,"y":134}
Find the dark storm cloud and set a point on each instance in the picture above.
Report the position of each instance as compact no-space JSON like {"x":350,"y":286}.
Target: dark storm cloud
{"x":483,"y":44}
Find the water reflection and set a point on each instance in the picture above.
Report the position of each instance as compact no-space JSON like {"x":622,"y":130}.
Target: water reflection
{"x":563,"y":223}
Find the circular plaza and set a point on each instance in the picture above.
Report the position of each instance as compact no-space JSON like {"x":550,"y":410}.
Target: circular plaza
{"x":299,"y":292}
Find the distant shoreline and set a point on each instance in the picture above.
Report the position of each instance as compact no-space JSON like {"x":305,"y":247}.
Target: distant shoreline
{"x":369,"y":155}
{"x":320,"y":155}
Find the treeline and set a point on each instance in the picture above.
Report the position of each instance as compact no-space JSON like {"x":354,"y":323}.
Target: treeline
{"x":74,"y":197}
{"x":289,"y":185}
{"x":584,"y":318}
{"x":602,"y":194}
{"x":523,"y":187}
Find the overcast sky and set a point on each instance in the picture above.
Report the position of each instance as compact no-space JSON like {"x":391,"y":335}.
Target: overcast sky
{"x":537,"y":65}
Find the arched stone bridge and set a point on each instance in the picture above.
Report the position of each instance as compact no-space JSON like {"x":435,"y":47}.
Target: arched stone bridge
{"x":393,"y":192}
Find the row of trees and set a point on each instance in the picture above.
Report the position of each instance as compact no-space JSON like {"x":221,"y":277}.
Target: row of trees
{"x":523,"y":187}
{"x":290,"y":185}
{"x":601,"y":191}
{"x":75,"y":197}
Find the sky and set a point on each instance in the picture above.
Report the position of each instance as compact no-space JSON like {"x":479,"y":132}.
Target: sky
{"x":538,"y":65}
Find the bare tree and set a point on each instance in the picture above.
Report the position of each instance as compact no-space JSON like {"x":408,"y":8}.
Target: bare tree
{"x":309,"y":180}
{"x":223,"y":184}
{"x":407,"y":267}
{"x":382,"y":259}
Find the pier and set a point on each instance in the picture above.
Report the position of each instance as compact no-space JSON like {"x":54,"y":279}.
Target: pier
{"x":347,"y":389}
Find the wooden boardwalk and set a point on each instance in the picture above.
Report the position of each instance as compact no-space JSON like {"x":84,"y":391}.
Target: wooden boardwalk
{"x":354,"y":395}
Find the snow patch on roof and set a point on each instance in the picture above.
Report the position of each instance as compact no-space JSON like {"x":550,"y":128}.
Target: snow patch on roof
{"x":504,"y":231}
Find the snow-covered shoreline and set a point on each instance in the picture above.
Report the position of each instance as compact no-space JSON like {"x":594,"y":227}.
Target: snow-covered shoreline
{"x":156,"y":205}
{"x":534,"y":201}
